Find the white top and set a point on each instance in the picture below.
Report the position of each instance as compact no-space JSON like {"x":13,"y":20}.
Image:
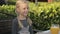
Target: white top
{"x":24,"y":30}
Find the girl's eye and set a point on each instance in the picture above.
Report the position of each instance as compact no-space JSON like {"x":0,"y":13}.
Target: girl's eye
{"x":27,"y":8}
{"x":24,"y":8}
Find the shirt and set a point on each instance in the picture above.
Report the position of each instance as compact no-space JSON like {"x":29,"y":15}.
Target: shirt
{"x":15,"y":27}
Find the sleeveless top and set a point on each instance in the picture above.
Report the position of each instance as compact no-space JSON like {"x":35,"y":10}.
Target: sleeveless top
{"x":16,"y":29}
{"x":25,"y":29}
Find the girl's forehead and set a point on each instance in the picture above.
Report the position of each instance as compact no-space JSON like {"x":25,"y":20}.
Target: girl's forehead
{"x":23,"y":4}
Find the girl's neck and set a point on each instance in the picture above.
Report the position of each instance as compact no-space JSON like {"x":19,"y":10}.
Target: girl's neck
{"x":20,"y":17}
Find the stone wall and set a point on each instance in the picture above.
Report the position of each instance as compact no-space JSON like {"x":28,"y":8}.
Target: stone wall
{"x":5,"y":26}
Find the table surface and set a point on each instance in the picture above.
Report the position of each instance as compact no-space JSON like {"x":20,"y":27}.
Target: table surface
{"x":45,"y":32}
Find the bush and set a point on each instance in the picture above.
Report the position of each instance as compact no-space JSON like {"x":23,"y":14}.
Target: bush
{"x":42,"y":14}
{"x":11,"y":2}
{"x":7,"y":11}
{"x":56,"y":0}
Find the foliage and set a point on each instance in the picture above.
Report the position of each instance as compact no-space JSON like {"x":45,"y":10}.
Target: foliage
{"x":7,"y":11}
{"x":42,"y":14}
{"x":11,"y":2}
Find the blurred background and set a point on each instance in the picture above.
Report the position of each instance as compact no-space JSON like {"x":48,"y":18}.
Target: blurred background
{"x":42,"y":12}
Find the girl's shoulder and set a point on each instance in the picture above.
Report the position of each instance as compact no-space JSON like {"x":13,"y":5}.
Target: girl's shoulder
{"x":14,"y":20}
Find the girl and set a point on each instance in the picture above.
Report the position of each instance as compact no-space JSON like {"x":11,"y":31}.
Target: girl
{"x":22,"y":24}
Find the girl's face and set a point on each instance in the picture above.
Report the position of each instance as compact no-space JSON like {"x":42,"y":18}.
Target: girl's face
{"x":23,"y":9}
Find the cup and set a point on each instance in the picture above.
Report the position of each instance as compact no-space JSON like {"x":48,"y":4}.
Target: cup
{"x":54,"y":29}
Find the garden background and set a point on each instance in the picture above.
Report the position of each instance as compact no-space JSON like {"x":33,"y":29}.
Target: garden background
{"x":43,"y":14}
